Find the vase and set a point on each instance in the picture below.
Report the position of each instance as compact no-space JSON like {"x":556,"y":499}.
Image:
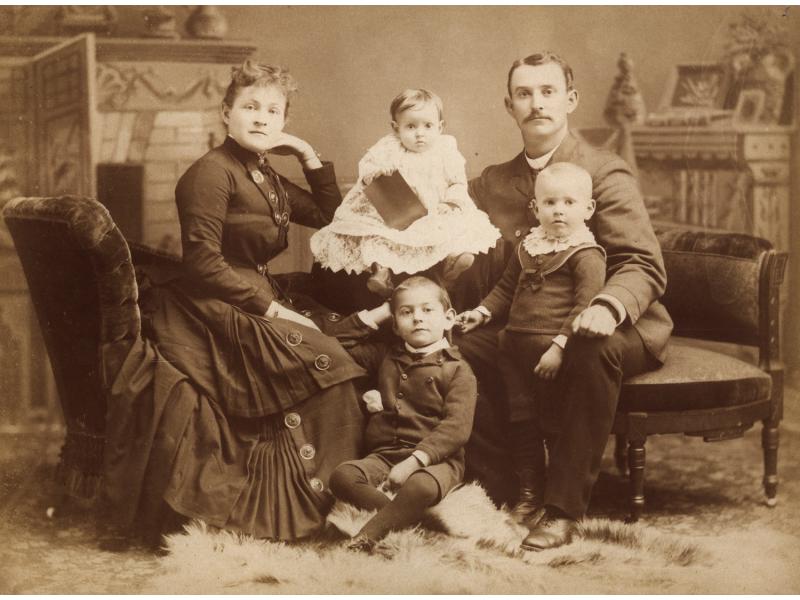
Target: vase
{"x":159,"y":22}
{"x":207,"y":22}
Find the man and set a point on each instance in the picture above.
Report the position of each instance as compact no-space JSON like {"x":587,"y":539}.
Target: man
{"x":624,"y":330}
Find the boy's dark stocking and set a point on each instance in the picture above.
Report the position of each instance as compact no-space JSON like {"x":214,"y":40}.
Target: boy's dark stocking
{"x":528,"y":457}
{"x":349,"y":484}
{"x":419,"y":492}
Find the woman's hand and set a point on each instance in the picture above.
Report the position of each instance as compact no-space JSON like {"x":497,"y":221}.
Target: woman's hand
{"x":402,"y":471}
{"x":550,"y":362}
{"x":285,"y":144}
{"x":469,"y":320}
{"x":279,"y":311}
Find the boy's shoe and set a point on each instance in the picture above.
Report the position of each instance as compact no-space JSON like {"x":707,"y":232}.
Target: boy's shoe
{"x":455,"y":264}
{"x":361,"y":543}
{"x":380,"y":282}
{"x":553,"y":530}
{"x":529,"y":509}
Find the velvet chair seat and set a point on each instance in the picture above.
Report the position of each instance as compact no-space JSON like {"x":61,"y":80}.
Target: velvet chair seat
{"x":695,"y":378}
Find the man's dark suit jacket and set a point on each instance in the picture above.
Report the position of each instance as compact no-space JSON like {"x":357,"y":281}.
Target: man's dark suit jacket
{"x":621,"y":225}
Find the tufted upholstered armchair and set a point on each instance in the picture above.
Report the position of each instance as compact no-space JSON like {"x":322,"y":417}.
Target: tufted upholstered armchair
{"x":722,"y":288}
{"x":83,"y":288}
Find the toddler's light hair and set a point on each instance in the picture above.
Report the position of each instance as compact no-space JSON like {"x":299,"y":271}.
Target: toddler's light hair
{"x":560,"y":171}
{"x":415,"y":98}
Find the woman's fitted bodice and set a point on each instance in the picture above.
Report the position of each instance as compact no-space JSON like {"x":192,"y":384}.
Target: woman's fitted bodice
{"x":235,"y":218}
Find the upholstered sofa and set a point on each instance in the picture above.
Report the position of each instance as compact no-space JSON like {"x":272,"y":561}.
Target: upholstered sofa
{"x":722,"y":288}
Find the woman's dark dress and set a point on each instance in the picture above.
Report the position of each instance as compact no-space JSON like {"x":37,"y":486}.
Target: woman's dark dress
{"x":225,"y":414}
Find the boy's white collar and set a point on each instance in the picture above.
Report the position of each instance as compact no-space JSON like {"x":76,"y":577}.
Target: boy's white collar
{"x":538,"y":242}
{"x":425,"y":350}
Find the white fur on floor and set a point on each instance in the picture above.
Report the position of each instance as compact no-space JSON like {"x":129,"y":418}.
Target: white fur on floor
{"x":480,"y":555}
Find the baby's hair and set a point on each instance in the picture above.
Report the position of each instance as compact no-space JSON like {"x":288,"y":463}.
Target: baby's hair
{"x":542,"y":58}
{"x":566,"y":170}
{"x":415,"y":98}
{"x":418,"y":281}
{"x":260,"y":75}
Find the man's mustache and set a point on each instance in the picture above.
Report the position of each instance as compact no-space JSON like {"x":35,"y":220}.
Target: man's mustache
{"x":535,"y":115}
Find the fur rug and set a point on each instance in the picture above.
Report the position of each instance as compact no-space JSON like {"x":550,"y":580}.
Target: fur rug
{"x":466,"y":547}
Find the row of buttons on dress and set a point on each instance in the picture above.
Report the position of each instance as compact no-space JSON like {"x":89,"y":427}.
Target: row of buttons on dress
{"x":282,"y":219}
{"x":307,"y":451}
{"x":332,"y":317}
{"x":293,"y":421}
{"x":322,"y":362}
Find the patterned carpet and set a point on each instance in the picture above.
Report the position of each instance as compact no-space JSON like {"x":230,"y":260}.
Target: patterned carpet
{"x":708,"y":494}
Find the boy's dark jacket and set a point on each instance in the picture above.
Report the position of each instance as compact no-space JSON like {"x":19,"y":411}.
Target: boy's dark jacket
{"x":428,"y":402}
{"x":621,"y":225}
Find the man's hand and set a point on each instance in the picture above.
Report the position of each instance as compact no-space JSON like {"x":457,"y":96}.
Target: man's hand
{"x":550,"y":362}
{"x":469,"y":320}
{"x":402,"y":471}
{"x":594,"y":321}
{"x":285,"y":144}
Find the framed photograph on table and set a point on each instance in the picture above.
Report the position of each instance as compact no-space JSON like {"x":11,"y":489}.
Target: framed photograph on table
{"x":697,"y":86}
{"x":749,"y":107}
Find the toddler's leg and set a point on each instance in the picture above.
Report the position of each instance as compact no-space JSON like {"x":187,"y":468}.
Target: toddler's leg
{"x":419,"y":492}
{"x":380,"y":282}
{"x":518,"y":354}
{"x":350,"y":484}
{"x":454,"y":265}
{"x":528,"y":459}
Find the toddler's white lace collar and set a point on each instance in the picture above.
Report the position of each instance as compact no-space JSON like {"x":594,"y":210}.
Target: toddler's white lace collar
{"x":538,"y":242}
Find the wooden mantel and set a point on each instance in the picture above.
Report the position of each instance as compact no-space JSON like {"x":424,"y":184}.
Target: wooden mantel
{"x":139,"y":49}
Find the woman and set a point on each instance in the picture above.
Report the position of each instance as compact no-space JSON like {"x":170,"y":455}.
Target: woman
{"x":236,"y":408}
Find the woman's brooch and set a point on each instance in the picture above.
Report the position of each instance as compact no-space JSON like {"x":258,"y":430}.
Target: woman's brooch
{"x":257,"y":176}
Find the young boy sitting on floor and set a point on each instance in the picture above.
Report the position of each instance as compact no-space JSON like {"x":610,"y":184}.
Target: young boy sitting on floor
{"x":416,"y":433}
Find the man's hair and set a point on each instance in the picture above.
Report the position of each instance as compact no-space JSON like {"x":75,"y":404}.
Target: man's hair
{"x":542,"y":58}
{"x":566,"y":170}
{"x":415,"y":98}
{"x":418,"y":281}
{"x":260,"y":75}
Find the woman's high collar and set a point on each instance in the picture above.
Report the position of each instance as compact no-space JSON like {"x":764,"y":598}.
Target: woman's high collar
{"x":243,"y":154}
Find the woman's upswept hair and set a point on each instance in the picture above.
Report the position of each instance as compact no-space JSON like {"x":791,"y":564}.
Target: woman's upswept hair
{"x":261,"y":75}
{"x":415,"y":98}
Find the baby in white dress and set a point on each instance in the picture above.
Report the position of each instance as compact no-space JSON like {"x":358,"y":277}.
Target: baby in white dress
{"x":452,"y":231}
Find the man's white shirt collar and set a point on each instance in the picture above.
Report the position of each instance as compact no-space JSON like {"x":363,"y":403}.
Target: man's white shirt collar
{"x":540,"y":162}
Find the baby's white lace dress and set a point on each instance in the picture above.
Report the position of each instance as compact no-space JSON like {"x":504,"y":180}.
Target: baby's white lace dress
{"x":358,"y":237}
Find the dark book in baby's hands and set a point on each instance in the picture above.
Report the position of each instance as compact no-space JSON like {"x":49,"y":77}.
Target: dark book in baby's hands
{"x":395,"y":201}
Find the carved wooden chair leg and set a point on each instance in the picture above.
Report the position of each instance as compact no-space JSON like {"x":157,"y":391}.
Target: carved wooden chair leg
{"x":621,"y":454}
{"x":769,"y":442}
{"x":636,"y":461}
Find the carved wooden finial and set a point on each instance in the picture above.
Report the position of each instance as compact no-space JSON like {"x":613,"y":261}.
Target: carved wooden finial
{"x":625,"y":105}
